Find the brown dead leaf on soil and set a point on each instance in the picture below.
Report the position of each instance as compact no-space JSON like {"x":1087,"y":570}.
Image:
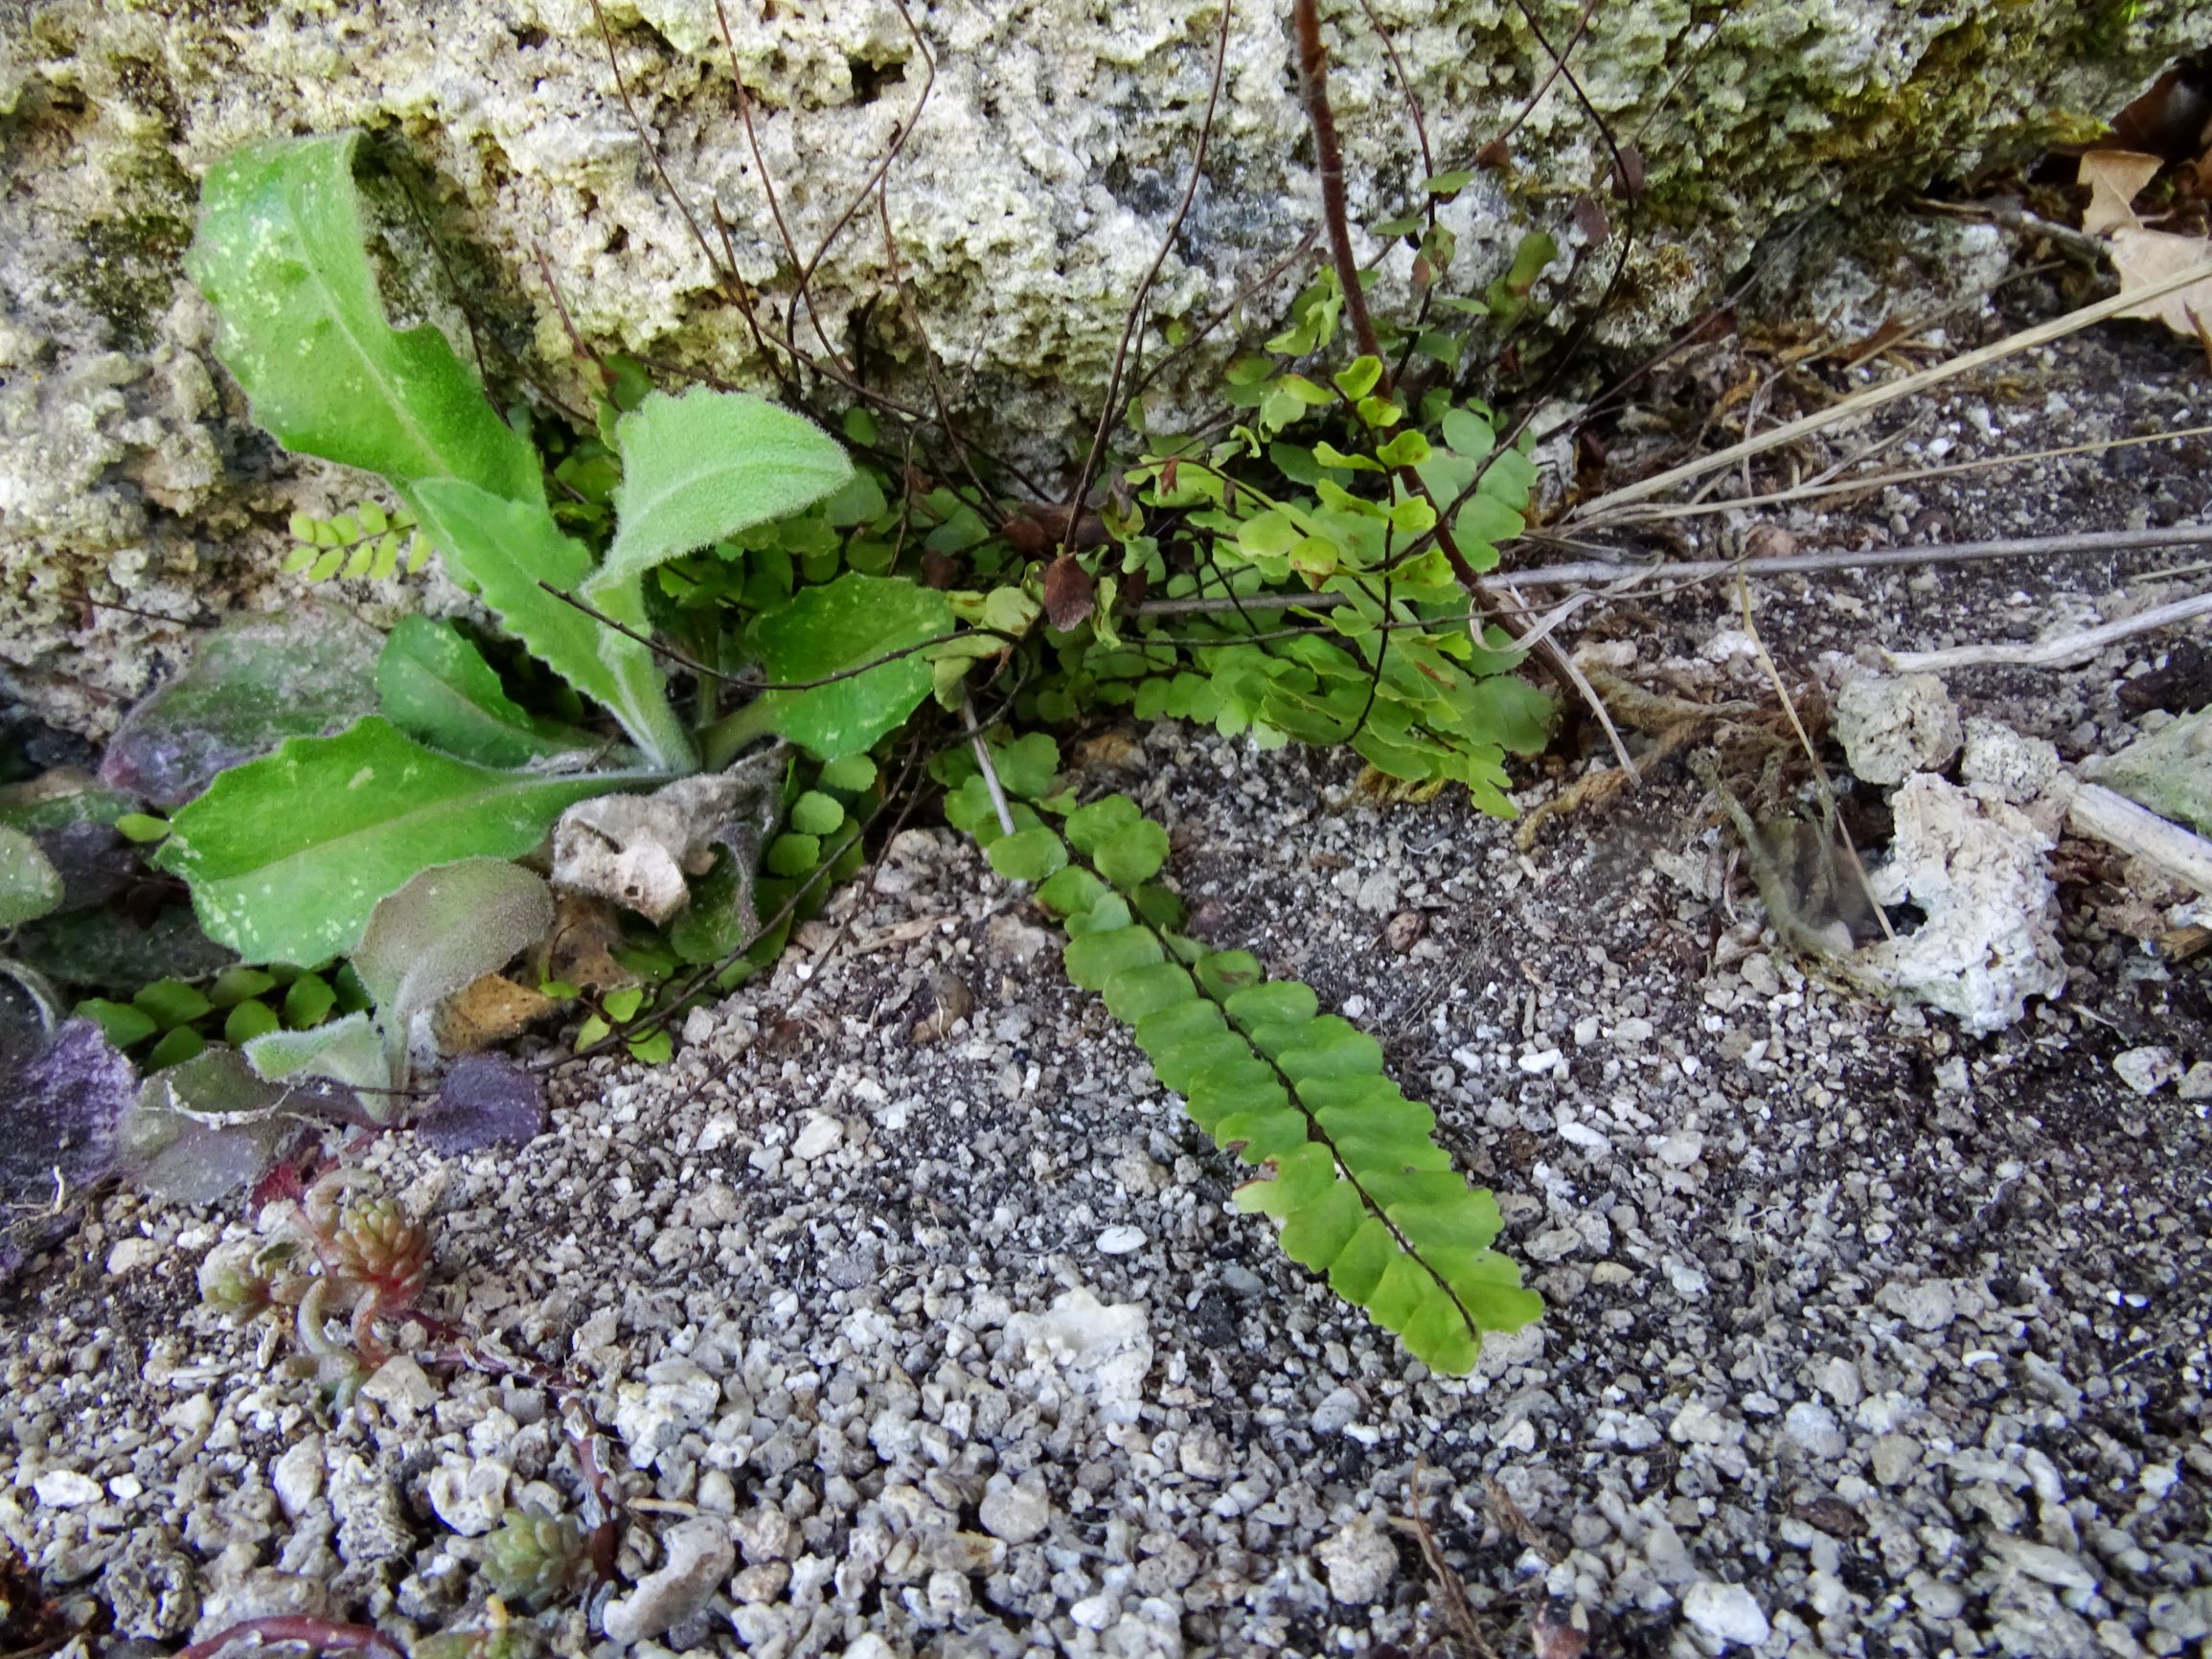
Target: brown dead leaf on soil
{"x":2144,"y":257}
{"x":2116,"y":178}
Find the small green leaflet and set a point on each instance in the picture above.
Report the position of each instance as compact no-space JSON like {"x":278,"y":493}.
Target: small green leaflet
{"x":288,"y":855}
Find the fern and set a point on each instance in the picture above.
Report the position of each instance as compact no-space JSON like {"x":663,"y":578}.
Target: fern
{"x":368,"y":543}
{"x":1351,"y":1169}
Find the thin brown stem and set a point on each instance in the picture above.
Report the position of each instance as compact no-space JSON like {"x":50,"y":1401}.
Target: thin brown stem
{"x":1329,"y":157}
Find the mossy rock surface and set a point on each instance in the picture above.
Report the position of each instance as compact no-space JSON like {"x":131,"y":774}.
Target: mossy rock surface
{"x":1032,"y":191}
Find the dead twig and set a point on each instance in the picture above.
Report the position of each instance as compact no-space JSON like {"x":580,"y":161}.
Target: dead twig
{"x":2118,"y":822}
{"x":1881,"y":397}
{"x":2053,"y":653}
{"x":1623,"y":576}
{"x":982,"y":750}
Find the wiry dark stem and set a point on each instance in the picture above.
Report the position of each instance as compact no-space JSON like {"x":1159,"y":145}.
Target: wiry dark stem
{"x":1313,"y":87}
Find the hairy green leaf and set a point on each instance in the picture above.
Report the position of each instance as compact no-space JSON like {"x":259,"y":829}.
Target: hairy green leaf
{"x":279,"y":254}
{"x":707,"y":465}
{"x":288,"y":855}
{"x":436,"y":687}
{"x":442,"y":930}
{"x":508,"y":549}
{"x":30,"y":886}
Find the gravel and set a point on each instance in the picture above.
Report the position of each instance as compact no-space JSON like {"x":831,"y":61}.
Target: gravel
{"x":907,"y":1314}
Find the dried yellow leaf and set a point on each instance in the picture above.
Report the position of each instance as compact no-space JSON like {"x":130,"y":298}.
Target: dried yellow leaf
{"x":2115,"y":177}
{"x":2145,"y":258}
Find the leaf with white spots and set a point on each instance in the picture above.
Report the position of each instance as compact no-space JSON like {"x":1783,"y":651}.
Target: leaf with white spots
{"x":286,"y":856}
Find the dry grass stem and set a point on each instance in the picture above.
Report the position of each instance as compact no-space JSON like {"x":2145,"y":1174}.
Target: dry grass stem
{"x":1896,"y":391}
{"x":2051,"y":653}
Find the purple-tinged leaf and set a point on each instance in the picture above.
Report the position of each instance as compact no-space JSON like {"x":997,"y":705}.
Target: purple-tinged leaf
{"x":61,"y":1104}
{"x":206,"y":1127}
{"x":258,"y":681}
{"x":484,"y":1101}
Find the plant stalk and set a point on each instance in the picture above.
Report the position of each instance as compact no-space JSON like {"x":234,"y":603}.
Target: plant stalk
{"x":1313,"y":87}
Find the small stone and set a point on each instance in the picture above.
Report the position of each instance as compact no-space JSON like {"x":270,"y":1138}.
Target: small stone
{"x":66,"y":1490}
{"x":263,"y":1593}
{"x":1543,"y":1061}
{"x":468,"y":1494}
{"x":1105,"y":1350}
{"x":1698,"y":1424}
{"x":131,"y":1254}
{"x":1121,"y":1241}
{"x":817,"y":1137}
{"x":2060,"y":1568}
{"x":1998,"y":758}
{"x":1360,"y":1562}
{"x":1013,"y":942}
{"x":1812,"y":1426}
{"x":678,"y":1394}
{"x":1016,"y":1512}
{"x":401,"y":1386}
{"x":2197,"y":1082}
{"x":1095,"y":1612}
{"x":1680,"y":1149}
{"x":1895,"y":1457}
{"x":764,"y":1583}
{"x":1553,"y":1244}
{"x":1939,"y":1600}
{"x":1728,"y":1613}
{"x":1336,"y":1413}
{"x":1838,"y":1379}
{"x":1929,"y":1305}
{"x":699,"y":1556}
{"x":1378,"y":895}
{"x":1892,"y":727}
{"x":2146,"y":1070}
{"x":297,"y":1476}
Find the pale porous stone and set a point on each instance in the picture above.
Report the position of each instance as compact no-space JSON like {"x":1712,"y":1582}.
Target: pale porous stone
{"x":1360,"y":1562}
{"x":1728,"y":1613}
{"x":698,"y":1556}
{"x":1975,"y":868}
{"x":1892,"y":728}
{"x":1104,"y":1351}
{"x":1030,"y":194}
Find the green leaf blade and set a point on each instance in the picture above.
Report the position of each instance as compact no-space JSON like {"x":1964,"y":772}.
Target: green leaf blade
{"x":707,"y":465}
{"x":837,"y":627}
{"x":280,"y":255}
{"x":288,"y":855}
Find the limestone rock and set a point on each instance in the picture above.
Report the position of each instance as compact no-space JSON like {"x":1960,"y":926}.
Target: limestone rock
{"x":1891,"y":728}
{"x":1029,"y":195}
{"x":1976,"y":869}
{"x":699,"y":1556}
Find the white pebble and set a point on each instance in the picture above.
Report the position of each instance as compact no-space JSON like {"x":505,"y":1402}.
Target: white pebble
{"x":1121,"y":1241}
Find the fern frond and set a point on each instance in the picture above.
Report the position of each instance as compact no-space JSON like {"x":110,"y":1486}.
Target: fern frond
{"x":367,"y":544}
{"x":1349,"y":1166}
